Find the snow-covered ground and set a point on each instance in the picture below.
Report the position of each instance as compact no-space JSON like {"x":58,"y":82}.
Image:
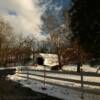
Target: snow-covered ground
{"x":2,"y":68}
{"x":53,"y":90}
{"x":57,"y":75}
{"x":86,"y":68}
{"x":58,"y":91}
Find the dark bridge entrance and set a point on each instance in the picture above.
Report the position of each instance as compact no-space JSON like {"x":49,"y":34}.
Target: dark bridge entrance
{"x":40,"y":60}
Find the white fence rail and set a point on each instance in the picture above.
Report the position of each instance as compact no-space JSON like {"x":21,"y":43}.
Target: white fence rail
{"x":84,"y":81}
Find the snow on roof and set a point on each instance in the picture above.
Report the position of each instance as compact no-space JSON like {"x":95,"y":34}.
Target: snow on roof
{"x":45,"y":55}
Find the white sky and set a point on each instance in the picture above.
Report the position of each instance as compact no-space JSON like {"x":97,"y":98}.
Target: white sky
{"x":24,"y":16}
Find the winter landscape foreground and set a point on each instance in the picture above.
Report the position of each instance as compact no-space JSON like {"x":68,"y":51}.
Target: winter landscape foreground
{"x":64,"y":90}
{"x":50,"y":49}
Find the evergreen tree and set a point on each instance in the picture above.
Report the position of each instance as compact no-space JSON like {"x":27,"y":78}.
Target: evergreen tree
{"x":85,"y":25}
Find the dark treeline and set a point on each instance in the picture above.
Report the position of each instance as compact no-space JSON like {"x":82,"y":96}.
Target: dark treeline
{"x":85,"y":26}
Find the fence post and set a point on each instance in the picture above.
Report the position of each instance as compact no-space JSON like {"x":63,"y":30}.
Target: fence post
{"x":82,"y":85}
{"x":27,"y":73}
{"x":17,"y":72}
{"x":44,"y":88}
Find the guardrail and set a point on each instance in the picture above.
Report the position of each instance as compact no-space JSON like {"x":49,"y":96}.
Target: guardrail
{"x":67,"y":79}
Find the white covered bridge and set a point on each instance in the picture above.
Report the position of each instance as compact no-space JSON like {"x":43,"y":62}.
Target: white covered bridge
{"x":46,"y":59}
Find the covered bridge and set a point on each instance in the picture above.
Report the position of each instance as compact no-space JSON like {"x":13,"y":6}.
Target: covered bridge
{"x":46,"y":59}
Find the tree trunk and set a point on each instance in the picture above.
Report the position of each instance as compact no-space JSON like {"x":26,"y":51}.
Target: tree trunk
{"x":78,"y":67}
{"x":59,"y":61}
{"x":33,"y":57}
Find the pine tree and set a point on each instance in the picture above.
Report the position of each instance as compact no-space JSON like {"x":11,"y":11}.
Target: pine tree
{"x":85,"y":25}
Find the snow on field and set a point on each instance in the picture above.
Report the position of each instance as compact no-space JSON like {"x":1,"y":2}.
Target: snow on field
{"x":57,"y":75}
{"x":2,"y":68}
{"x":55,"y":91}
{"x":86,"y":68}
{"x":58,"y":91}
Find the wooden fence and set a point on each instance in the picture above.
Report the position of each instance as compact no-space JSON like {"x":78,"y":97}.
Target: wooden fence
{"x":66,"y":79}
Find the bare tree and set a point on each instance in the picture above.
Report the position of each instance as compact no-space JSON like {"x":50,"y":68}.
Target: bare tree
{"x":59,"y":42}
{"x":6,"y":36}
{"x":59,"y":35}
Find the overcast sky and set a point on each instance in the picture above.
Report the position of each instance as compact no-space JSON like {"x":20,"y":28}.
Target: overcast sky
{"x":24,"y":15}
